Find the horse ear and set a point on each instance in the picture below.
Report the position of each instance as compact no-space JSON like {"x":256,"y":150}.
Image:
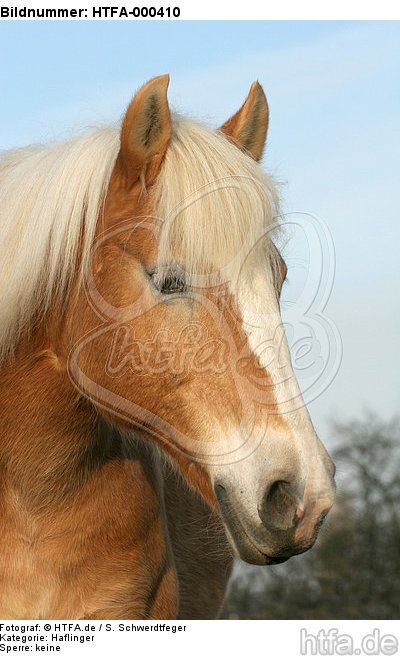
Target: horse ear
{"x":146,"y":131}
{"x":248,"y":127}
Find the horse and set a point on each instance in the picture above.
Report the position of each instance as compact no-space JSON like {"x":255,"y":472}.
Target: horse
{"x":152,"y":426}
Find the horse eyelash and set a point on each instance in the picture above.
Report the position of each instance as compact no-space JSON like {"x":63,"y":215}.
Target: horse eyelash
{"x":171,"y":279}
{"x":164,"y":282}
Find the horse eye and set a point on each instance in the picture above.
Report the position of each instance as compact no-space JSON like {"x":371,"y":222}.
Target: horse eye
{"x":169,"y":282}
{"x":172,"y":285}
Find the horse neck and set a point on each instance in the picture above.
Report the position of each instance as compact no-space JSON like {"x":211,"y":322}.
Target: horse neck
{"x":49,"y":440}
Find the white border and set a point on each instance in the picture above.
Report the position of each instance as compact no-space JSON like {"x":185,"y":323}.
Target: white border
{"x":231,"y":9}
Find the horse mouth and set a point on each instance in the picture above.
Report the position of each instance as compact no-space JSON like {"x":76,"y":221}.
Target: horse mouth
{"x":244,"y":545}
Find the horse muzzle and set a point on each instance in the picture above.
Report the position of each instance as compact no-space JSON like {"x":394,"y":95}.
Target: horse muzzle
{"x":284,"y":525}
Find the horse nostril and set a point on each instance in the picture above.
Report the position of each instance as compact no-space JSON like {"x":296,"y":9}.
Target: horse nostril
{"x":280,"y":508}
{"x":278,"y":495}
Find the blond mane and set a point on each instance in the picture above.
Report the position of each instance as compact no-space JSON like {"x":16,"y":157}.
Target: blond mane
{"x":210,"y":196}
{"x":50,"y":198}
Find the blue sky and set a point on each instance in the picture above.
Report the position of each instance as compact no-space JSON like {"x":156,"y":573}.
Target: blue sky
{"x":334,"y":95}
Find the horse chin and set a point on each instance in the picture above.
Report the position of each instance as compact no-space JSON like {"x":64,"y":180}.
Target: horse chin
{"x":243,"y":545}
{"x":246,"y":550}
